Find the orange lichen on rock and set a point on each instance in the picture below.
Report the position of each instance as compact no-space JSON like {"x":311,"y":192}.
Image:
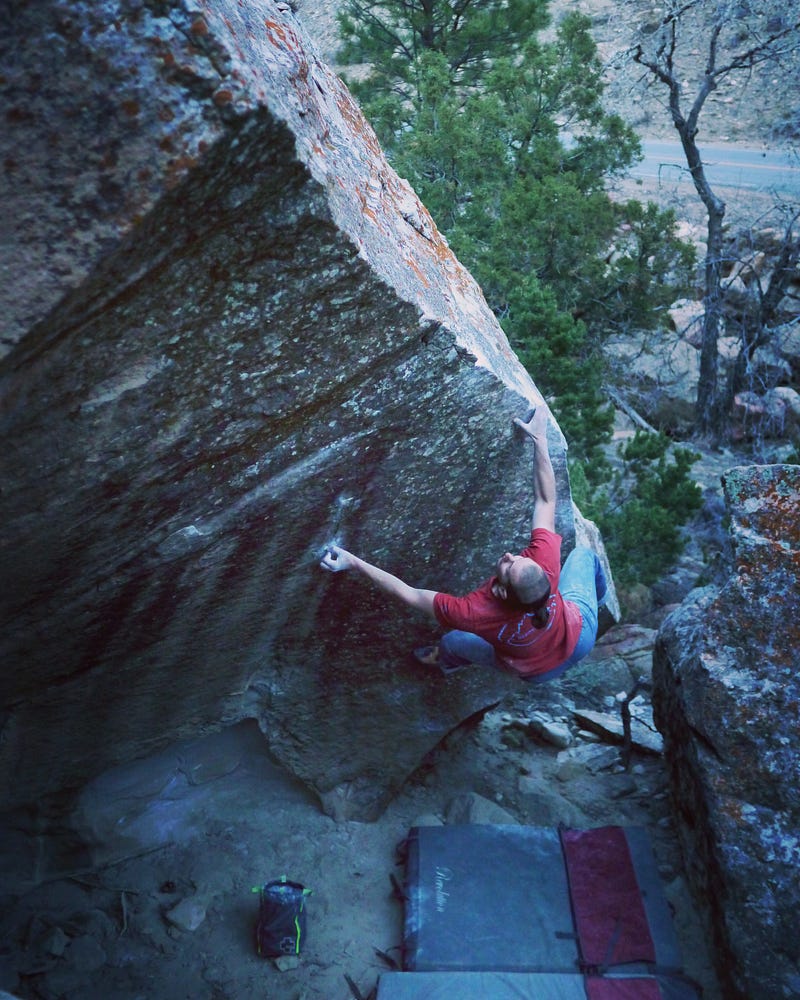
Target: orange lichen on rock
{"x":358,"y":124}
{"x":418,"y":271}
{"x":177,"y":169}
{"x":279,"y":35}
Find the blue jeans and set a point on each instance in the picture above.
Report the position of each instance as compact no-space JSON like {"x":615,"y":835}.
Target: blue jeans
{"x":582,"y":581}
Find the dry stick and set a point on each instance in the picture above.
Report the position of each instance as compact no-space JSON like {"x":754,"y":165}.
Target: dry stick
{"x":78,"y":874}
{"x":124,"y":905}
{"x":94,"y":884}
{"x":357,"y":994}
{"x":626,"y":408}
{"x":625,"y":711}
{"x":387,"y":958}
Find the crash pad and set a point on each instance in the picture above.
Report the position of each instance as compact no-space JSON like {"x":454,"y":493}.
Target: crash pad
{"x":518,"y":898}
{"x":487,"y":897}
{"x":529,"y":986}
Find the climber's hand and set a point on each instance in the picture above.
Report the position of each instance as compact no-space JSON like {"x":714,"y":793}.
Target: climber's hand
{"x":336,"y":559}
{"x":536,"y":425}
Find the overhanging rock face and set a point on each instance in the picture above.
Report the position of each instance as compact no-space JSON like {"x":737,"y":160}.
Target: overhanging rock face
{"x":726,"y":668}
{"x":232,"y":333}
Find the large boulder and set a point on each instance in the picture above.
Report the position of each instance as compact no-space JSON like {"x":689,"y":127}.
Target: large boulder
{"x":727,"y":689}
{"x":659,"y":378}
{"x":232,"y":334}
{"x":787,"y":343}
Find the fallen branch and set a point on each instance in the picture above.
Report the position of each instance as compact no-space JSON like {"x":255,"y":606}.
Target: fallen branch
{"x":357,"y":994}
{"x":625,"y":712}
{"x":629,"y":411}
{"x":124,"y":906}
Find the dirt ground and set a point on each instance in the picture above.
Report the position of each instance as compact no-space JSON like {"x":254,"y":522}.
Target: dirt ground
{"x":170,"y":912}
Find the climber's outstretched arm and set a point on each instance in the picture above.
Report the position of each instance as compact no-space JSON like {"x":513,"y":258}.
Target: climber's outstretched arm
{"x":544,"y":479}
{"x":337,"y":560}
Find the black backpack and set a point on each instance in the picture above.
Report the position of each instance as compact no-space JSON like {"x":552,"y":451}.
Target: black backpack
{"x":281,"y":927}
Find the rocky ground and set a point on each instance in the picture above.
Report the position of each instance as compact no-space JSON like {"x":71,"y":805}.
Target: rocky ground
{"x":176,"y":917}
{"x":747,"y":109}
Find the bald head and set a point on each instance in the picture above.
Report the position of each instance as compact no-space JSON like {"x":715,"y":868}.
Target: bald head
{"x":528,"y":581}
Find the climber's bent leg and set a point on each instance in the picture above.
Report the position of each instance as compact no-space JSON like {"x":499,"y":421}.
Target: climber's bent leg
{"x":460,"y":649}
{"x":584,"y":583}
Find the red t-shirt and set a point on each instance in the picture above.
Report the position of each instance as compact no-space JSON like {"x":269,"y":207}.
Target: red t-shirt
{"x":520,"y":646}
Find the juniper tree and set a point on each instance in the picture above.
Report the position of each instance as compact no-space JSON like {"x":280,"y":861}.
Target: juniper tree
{"x":506,"y":140}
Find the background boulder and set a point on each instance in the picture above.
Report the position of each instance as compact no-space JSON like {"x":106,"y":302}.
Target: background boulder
{"x":726,"y":668}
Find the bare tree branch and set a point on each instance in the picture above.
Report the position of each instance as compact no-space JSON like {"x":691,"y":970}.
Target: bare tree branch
{"x":710,"y":401}
{"x":762,"y":52}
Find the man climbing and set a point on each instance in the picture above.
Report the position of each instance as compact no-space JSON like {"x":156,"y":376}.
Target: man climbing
{"x":531,"y":618}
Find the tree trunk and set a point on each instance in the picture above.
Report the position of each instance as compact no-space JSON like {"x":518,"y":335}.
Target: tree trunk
{"x":427,"y":29}
{"x":709,"y":408}
{"x":712,"y":402}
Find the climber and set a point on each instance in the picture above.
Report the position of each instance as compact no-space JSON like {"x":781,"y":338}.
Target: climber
{"x":531,"y":618}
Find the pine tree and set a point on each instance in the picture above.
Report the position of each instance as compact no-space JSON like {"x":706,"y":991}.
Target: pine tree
{"x":392,"y":36}
{"x":505,"y":139}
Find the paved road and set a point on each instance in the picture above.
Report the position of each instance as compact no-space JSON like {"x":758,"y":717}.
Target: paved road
{"x":726,"y":167}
